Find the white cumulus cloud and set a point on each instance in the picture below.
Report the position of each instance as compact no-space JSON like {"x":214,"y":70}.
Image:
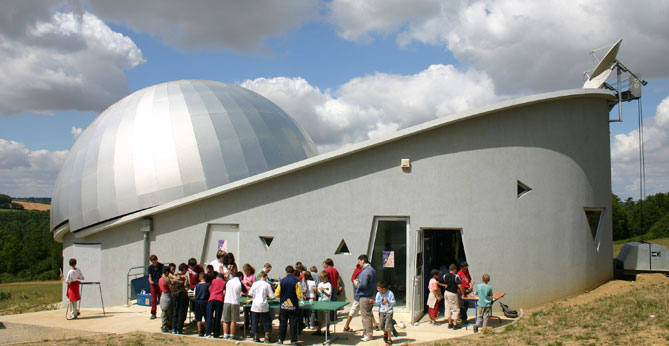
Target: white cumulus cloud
{"x":76,"y":131}
{"x":625,"y":156}
{"x":56,"y":60}
{"x":374,"y":105}
{"x":239,"y":25}
{"x":28,"y":173}
{"x":525,"y":46}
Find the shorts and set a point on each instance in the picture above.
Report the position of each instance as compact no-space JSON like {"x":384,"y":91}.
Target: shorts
{"x":355,"y":308}
{"x":452,"y":305}
{"x":386,"y":321}
{"x":200,"y":309}
{"x":230,"y":313}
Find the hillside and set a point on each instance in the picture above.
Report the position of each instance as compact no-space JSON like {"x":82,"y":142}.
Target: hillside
{"x":27,"y":249}
{"x":33,"y":206}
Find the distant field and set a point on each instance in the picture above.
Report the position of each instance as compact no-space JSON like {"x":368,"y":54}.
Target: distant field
{"x":617,"y":245}
{"x":33,"y":206}
{"x":17,"y":298}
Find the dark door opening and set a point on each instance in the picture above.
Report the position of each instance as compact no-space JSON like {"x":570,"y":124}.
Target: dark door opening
{"x":441,"y":248}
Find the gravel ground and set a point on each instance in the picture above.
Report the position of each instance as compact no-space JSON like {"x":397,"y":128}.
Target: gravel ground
{"x":15,"y":333}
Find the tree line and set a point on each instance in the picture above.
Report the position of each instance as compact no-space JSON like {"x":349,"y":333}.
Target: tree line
{"x":648,"y":218}
{"x":7,"y":203}
{"x":27,"y":249}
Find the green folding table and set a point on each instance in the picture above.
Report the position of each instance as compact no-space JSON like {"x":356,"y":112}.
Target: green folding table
{"x":324,"y":306}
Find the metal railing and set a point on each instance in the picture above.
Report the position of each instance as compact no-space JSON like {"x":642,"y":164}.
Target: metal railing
{"x":132,"y":274}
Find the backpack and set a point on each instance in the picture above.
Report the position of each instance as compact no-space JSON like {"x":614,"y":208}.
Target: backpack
{"x":507,"y":311}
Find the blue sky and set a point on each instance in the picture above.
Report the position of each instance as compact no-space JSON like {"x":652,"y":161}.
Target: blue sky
{"x":328,"y":64}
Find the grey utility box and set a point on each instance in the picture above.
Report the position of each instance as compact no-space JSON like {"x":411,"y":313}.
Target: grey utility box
{"x":643,"y":257}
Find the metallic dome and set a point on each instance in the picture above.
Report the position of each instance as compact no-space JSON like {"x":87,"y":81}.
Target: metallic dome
{"x":169,"y":141}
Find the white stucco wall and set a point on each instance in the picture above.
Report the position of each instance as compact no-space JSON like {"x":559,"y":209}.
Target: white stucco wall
{"x":537,"y":247}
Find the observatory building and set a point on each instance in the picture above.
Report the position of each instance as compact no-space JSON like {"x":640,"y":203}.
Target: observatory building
{"x":521,"y":190}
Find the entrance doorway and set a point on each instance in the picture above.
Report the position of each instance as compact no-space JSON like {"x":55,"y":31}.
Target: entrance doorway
{"x":388,"y":254}
{"x":441,"y":248}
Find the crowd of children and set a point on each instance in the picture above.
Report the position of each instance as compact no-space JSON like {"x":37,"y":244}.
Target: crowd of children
{"x":217,"y":292}
{"x":216,"y":296}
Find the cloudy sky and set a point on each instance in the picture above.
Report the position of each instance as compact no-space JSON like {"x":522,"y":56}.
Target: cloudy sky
{"x":347,"y":70}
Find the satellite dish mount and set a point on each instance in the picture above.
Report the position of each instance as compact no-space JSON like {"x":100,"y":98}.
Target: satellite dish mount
{"x":602,"y":71}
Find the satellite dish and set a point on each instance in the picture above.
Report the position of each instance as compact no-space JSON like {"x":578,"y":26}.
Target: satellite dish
{"x":603,"y":69}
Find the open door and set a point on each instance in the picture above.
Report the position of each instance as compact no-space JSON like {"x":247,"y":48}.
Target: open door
{"x":417,"y":300}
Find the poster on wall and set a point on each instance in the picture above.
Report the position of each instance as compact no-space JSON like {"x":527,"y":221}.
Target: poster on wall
{"x":223,"y":245}
{"x":389,"y":259}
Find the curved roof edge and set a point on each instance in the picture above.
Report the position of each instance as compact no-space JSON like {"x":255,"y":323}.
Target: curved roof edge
{"x":349,"y":150}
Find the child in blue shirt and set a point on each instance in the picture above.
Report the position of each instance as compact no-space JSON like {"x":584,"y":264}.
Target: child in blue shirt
{"x":484,"y":310}
{"x":201,"y":299}
{"x":385,"y":299}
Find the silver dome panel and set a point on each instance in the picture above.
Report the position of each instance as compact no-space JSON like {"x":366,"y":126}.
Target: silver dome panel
{"x":170,"y":141}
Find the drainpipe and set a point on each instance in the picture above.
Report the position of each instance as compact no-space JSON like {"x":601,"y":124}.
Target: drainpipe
{"x":145,"y":226}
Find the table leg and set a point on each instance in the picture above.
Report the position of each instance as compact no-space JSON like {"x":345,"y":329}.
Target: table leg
{"x":327,"y":322}
{"x":101,"y":299}
{"x":246,"y":314}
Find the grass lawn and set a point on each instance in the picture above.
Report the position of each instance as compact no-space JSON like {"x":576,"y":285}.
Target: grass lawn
{"x":638,"y":314}
{"x":617,"y":245}
{"x":17,"y":298}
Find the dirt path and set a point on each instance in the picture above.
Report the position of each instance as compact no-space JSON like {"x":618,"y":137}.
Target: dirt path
{"x":13,"y":333}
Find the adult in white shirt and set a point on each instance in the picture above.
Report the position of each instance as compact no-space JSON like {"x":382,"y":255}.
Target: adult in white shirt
{"x":261,"y":291}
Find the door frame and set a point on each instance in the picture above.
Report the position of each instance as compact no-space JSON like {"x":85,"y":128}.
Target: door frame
{"x":207,"y":238}
{"x":416,"y":276}
{"x":409,"y":254}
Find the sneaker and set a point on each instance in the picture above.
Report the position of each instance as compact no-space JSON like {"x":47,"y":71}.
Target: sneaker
{"x":153,"y":317}
{"x":456,"y":327}
{"x":71,"y":317}
{"x":366,"y":338}
{"x":268,"y":341}
{"x":279,"y":342}
{"x":450,"y":326}
{"x":476,"y":329}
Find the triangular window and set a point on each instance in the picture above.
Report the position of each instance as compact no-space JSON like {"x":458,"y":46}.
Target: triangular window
{"x":342,"y":249}
{"x":266,"y":241}
{"x":523,"y":189}
{"x":594,"y":216}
